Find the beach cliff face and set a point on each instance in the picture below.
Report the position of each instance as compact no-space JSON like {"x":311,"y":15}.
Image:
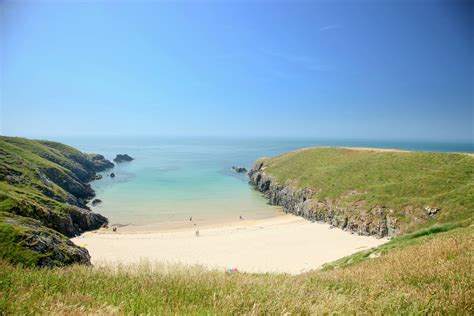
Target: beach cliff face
{"x":372,"y":192}
{"x":44,"y":192}
{"x":300,"y":202}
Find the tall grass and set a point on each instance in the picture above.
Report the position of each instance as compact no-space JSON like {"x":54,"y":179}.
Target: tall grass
{"x":433,"y":275}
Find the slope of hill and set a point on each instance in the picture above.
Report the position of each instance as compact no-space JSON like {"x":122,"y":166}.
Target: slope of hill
{"x":425,"y":268}
{"x":370,"y":192}
{"x":430,"y":272}
{"x":43,"y":196}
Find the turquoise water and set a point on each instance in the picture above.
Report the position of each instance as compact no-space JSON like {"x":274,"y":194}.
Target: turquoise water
{"x":172,"y":179}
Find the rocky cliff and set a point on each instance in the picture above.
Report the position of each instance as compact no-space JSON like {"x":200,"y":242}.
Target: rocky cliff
{"x":377,"y":192}
{"x":45,"y":185}
{"x":301,"y":202}
{"x":27,"y":241}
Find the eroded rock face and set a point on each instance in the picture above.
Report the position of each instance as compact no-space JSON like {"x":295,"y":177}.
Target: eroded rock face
{"x":53,"y":248}
{"x":375,"y":222}
{"x":122,"y":158}
{"x":72,"y":222}
{"x":69,"y":183}
{"x":100,"y":163}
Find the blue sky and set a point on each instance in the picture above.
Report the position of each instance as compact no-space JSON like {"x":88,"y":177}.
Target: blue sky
{"x":328,"y":69}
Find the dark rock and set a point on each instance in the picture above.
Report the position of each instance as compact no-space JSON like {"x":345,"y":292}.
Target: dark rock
{"x":112,"y":175}
{"x":84,"y":219}
{"x":100,"y":163}
{"x":71,"y":221}
{"x":239,"y":169}
{"x":96,"y":202}
{"x":122,"y":158}
{"x":98,"y":177}
{"x":69,"y":182}
{"x":376,"y":222}
{"x":54,"y":248}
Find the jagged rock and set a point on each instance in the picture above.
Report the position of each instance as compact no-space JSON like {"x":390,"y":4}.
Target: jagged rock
{"x":100,"y":163}
{"x":96,"y":202}
{"x":376,"y":222}
{"x":239,"y":169}
{"x":52,"y":248}
{"x":122,"y":157}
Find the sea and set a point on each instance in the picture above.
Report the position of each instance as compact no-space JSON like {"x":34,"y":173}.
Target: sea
{"x":175,"y":179}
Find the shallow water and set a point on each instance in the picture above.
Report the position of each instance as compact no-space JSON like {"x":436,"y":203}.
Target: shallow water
{"x":173,"y":179}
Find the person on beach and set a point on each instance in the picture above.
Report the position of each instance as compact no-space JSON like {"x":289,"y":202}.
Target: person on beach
{"x":114,"y":229}
{"x":197,"y":232}
{"x":191,"y":219}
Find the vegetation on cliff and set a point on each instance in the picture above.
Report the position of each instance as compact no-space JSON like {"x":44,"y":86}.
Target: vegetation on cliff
{"x":44,"y":184}
{"x":427,"y":270}
{"x":367,"y":190}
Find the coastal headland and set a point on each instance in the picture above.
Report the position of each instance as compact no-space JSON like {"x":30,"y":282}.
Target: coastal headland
{"x":365,"y":230}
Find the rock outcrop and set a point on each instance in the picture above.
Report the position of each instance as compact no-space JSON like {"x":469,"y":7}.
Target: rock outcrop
{"x":46,"y":183}
{"x":122,"y":158}
{"x":239,"y":169}
{"x":374,"y":222}
{"x":41,"y":246}
{"x":100,"y":163}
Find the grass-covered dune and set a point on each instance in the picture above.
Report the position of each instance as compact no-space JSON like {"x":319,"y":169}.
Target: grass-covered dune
{"x":370,"y":192}
{"x":43,"y":196}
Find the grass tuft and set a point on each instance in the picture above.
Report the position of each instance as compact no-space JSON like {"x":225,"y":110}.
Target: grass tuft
{"x":433,"y":275}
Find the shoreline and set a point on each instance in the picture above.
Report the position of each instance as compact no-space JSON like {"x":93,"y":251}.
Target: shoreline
{"x":283,"y":244}
{"x":190,"y":226}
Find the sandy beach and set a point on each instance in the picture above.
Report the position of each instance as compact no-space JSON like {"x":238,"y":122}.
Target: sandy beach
{"x":285,"y":243}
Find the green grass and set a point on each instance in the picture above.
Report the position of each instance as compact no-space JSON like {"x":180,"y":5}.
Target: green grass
{"x":427,"y":270}
{"x":401,"y":242}
{"x":38,"y":177}
{"x":37,"y":180}
{"x":11,"y":246}
{"x":432,"y":275}
{"x":19,"y":236}
{"x":405,"y":182}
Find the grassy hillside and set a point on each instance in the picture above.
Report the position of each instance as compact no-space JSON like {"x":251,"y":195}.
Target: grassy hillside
{"x":426,"y":273}
{"x":428,"y":269}
{"x":405,"y":183}
{"x":43,"y":195}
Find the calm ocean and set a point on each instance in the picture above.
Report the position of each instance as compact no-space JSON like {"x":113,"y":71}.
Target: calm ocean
{"x":172,"y":179}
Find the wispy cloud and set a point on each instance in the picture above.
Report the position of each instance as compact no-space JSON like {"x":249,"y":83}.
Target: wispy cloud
{"x":330,"y":27}
{"x":306,"y":62}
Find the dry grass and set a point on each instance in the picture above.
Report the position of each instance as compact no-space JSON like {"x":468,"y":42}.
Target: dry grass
{"x":433,"y":275}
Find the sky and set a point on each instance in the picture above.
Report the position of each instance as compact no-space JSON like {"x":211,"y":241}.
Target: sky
{"x":324,"y":69}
